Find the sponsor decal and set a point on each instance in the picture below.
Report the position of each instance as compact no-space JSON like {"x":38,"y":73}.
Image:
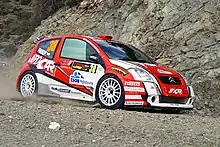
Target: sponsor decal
{"x":84,"y":67}
{"x":132,"y":83}
{"x":119,"y":70}
{"x":133,"y":97}
{"x":175,"y":91}
{"x":134,"y":89}
{"x":35,"y":59}
{"x":164,"y":72}
{"x":134,"y":103}
{"x":63,"y":90}
{"x":80,"y":66}
{"x":78,"y":79}
{"x":42,"y":63}
{"x":43,"y":52}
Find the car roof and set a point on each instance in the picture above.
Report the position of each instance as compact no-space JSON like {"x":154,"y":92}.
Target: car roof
{"x":100,"y":37}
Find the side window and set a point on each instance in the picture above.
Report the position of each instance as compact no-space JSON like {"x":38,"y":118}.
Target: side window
{"x":48,"y":48}
{"x":74,"y":49}
{"x":77,"y":49}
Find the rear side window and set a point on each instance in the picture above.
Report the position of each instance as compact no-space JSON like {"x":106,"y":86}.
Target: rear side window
{"x":74,"y":49}
{"x":77,"y":49}
{"x":48,"y":48}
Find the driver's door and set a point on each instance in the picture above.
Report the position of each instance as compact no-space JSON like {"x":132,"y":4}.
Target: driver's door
{"x":77,"y":69}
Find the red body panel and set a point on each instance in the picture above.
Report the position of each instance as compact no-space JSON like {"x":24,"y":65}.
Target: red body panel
{"x":167,"y":88}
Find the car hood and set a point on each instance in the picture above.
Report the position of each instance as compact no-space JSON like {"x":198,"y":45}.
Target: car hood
{"x":162,"y":74}
{"x":155,"y":69}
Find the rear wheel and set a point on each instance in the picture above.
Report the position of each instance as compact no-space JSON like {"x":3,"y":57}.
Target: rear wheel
{"x":109,"y":92}
{"x":28,"y":84}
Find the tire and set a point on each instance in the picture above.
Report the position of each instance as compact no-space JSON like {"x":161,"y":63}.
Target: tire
{"x":28,"y":84}
{"x":110,"y":92}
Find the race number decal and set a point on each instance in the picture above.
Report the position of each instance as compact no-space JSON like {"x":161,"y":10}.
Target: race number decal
{"x":53,"y":45}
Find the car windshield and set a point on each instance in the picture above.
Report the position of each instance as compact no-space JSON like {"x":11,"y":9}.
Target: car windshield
{"x":120,"y":51}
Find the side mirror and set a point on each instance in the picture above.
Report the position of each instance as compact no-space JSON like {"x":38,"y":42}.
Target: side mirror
{"x":93,"y":58}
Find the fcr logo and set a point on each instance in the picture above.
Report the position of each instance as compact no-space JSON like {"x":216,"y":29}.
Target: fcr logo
{"x":176,"y":91}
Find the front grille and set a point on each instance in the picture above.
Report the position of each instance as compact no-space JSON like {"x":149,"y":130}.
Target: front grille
{"x":173,"y":100}
{"x":170,"y":80}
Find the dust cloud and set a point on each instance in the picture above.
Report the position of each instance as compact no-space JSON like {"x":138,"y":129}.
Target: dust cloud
{"x":7,"y":88}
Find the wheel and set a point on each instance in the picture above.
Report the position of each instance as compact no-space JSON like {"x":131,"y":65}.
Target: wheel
{"x":109,"y":92}
{"x":28,"y":84}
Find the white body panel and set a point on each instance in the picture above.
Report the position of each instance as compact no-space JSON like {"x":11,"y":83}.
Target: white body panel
{"x":52,"y":84}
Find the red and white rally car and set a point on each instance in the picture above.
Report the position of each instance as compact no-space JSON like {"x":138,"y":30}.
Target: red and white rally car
{"x":102,"y":70}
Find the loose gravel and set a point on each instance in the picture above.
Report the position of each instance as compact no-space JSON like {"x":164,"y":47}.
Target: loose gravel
{"x":25,"y":123}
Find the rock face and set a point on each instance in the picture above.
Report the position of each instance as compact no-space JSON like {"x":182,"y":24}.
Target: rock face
{"x":13,"y":21}
{"x":182,"y":34}
{"x":18,"y":19}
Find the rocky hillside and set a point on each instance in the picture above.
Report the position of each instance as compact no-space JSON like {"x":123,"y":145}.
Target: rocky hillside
{"x":183,"y":34}
{"x":19,"y":18}
{"x":14,"y":26}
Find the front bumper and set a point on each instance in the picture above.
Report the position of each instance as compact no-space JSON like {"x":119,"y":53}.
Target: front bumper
{"x":153,"y":101}
{"x":154,"y":98}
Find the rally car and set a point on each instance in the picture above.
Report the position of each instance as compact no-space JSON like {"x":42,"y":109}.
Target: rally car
{"x":101,"y":70}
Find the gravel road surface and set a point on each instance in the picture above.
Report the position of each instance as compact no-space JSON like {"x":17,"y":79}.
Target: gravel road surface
{"x":25,"y":123}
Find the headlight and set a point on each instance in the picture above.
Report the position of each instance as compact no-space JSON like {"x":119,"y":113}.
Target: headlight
{"x":140,"y":74}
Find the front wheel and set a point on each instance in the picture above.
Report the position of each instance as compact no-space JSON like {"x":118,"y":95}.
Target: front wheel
{"x":110,"y":93}
{"x":28,"y":84}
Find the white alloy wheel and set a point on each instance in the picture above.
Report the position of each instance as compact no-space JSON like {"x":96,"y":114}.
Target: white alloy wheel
{"x":110,"y":92}
{"x":27,"y":85}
